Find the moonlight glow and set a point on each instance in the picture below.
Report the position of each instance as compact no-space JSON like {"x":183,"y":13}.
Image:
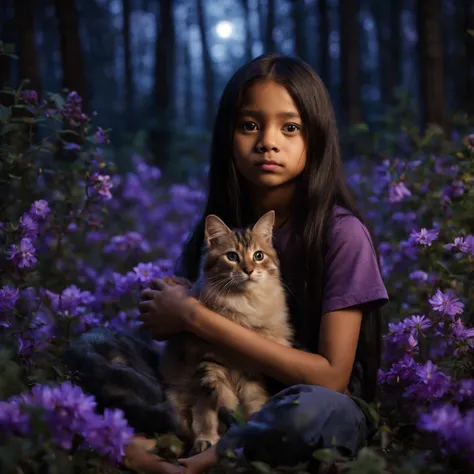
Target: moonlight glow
{"x":224,"y":29}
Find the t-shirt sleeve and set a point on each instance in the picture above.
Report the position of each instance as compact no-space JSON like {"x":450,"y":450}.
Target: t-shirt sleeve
{"x":352,"y":275}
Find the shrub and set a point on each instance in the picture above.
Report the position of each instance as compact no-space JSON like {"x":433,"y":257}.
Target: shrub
{"x":78,"y":241}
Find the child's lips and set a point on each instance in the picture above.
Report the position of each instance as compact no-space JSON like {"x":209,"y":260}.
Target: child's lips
{"x":269,"y":165}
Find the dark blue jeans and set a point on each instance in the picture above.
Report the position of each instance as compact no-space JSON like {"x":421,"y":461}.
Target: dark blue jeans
{"x":294,"y":423}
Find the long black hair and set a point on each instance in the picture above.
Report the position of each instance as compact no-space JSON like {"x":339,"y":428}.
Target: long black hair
{"x":320,"y":186}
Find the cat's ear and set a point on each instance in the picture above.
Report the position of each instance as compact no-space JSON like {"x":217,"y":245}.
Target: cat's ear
{"x":264,"y":226}
{"x":214,"y":228}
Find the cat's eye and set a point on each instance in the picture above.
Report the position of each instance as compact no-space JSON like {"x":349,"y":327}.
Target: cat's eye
{"x":232,"y":256}
{"x":258,"y":256}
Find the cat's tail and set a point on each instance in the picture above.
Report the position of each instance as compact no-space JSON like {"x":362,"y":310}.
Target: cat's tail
{"x":121,"y":371}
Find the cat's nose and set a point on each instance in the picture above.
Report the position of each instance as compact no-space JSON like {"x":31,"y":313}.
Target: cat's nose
{"x":247,"y":271}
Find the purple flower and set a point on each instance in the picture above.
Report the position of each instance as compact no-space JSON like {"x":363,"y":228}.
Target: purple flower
{"x":23,"y":255}
{"x":446,"y":303}
{"x":70,"y":300}
{"x":402,"y":371}
{"x":12,"y":418}
{"x":456,"y":188}
{"x":127,"y":242}
{"x":145,"y":272}
{"x":40,"y":209}
{"x":72,"y":146}
{"x":123,"y":284}
{"x":398,"y":191}
{"x":459,"y":245}
{"x":101,"y":137}
{"x":30,"y":96}
{"x":430,"y":384}
{"x":462,"y":338}
{"x":72,"y":110}
{"x":469,"y":141}
{"x":418,"y":323}
{"x":29,"y":226}
{"x":110,"y":435}
{"x":96,"y":236}
{"x":455,"y":430}
{"x":418,"y":275}
{"x":397,"y":330}
{"x":469,"y":241}
{"x":8,"y":298}
{"x":424,"y":236}
{"x":407,"y":250}
{"x":385,"y":248}
{"x":101,"y":185}
{"x":440,"y":420}
{"x":464,"y":390}
{"x":68,"y":410}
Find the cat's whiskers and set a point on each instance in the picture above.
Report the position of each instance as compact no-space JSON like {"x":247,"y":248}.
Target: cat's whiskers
{"x":219,"y":288}
{"x":283,"y":284}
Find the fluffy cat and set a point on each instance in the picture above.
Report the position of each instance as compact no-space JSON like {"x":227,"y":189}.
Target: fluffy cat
{"x":240,"y":280}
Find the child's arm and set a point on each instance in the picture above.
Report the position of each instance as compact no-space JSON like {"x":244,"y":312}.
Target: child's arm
{"x":338,"y":342}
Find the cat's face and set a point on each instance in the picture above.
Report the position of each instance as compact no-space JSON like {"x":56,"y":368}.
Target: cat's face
{"x":236,"y":260}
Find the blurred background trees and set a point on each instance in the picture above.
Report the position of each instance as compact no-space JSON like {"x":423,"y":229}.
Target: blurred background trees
{"x":154,"y":69}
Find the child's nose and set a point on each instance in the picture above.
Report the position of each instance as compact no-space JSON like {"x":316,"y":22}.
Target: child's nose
{"x":268,"y":142}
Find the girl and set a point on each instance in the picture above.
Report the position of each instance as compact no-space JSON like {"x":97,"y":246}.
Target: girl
{"x":275,"y":146}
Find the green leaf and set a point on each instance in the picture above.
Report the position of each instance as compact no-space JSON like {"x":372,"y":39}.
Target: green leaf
{"x":327,"y":456}
{"x":9,"y":127}
{"x":261,"y":467}
{"x":367,"y":462}
{"x":9,"y":48}
{"x":444,"y":267}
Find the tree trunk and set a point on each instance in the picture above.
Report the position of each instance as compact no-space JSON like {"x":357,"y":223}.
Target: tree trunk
{"x":387,"y":23}
{"x":164,"y":92}
{"x":261,"y":22}
{"x":189,"y":96}
{"x":270,"y":45}
{"x":248,"y":34}
{"x":324,"y":58}
{"x":431,"y":61}
{"x":207,"y":63}
{"x":25,"y":22}
{"x":395,"y":74}
{"x":465,"y":74}
{"x":71,"y":49}
{"x":299,"y":25}
{"x":350,"y":72}
{"x":129,"y":89}
{"x":379,"y":13}
{"x":7,"y":36}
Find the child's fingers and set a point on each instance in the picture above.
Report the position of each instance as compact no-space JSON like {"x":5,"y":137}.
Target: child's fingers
{"x":182,"y":281}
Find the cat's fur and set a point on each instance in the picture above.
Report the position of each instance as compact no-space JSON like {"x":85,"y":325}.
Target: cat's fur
{"x":199,"y":379}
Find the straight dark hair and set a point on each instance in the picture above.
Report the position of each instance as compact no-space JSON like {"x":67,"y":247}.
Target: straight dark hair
{"x":320,"y":186}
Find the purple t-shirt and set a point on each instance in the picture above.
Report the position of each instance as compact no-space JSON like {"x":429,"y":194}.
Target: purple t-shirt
{"x":352,"y":276}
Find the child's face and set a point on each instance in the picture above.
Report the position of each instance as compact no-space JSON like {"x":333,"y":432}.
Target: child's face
{"x":269,"y":148}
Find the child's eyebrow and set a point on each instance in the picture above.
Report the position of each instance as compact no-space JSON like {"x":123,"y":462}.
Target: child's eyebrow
{"x":259,"y":114}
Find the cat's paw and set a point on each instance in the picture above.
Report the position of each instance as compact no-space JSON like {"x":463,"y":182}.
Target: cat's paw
{"x":202,"y":444}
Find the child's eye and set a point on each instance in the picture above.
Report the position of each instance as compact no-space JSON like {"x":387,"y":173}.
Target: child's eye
{"x":249,"y":126}
{"x":292,"y":127}
{"x":258,"y":256}
{"x":232,"y":256}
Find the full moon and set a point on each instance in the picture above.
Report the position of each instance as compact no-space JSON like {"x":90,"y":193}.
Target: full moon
{"x":224,"y":29}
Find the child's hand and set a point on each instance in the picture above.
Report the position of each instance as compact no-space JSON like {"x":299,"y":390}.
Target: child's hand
{"x":139,"y":458}
{"x":174,"y":280}
{"x":165,"y":309}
